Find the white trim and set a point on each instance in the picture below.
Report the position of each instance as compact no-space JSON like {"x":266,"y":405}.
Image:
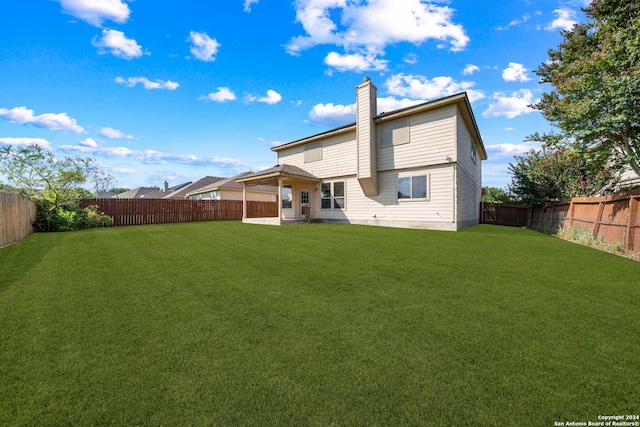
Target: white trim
{"x":412,"y":175}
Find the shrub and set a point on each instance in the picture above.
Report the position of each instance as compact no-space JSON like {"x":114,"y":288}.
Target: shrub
{"x":583,"y":237}
{"x":71,"y":217}
{"x":96,"y":218}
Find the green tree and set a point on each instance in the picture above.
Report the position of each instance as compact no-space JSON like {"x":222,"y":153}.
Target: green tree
{"x":545,"y":175}
{"x":118,"y":190}
{"x":496,"y":195}
{"x":9,"y":189}
{"x":54,"y":183}
{"x":595,"y":74}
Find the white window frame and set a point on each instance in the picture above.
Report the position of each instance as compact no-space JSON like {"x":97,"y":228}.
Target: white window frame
{"x":474,"y":154}
{"x":332,"y":196}
{"x":411,"y":177}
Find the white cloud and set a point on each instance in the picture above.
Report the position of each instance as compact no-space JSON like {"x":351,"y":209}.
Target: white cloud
{"x":117,"y":44}
{"x":515,"y":22}
{"x":470,"y":69}
{"x":223,"y":94}
{"x":115,"y":151}
{"x":95,"y":12}
{"x":203,"y":47}
{"x":565,"y":21}
{"x":332,"y":114}
{"x":355,"y":62}
{"x":99,"y":151}
{"x":153,"y":156}
{"x":248,"y":3}
{"x":420,"y":87}
{"x":337,"y":114}
{"x":114,"y":134}
{"x":125,"y":171}
{"x":271,"y":98}
{"x":26,"y":142}
{"x":390,"y":103}
{"x":51,"y":121}
{"x":515,"y":73}
{"x":411,"y":58}
{"x":511,"y":106}
{"x":148,"y":84}
{"x":358,"y":27}
{"x":507,"y":149}
{"x":409,"y":90}
{"x":89,"y":142}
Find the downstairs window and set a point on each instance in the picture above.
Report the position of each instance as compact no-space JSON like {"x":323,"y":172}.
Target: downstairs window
{"x":412,"y":187}
{"x":332,"y":195}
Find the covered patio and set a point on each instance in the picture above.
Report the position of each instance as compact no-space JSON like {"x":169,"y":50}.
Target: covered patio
{"x":297,"y":194}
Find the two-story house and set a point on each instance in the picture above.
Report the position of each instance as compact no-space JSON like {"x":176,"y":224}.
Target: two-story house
{"x":417,"y":167}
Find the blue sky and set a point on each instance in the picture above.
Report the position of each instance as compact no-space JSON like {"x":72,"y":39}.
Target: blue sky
{"x":177,"y":90}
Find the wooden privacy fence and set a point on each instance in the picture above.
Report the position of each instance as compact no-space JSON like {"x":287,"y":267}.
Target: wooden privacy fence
{"x":504,"y":214}
{"x":614,"y":219}
{"x":17,"y":215}
{"x":162,"y":211}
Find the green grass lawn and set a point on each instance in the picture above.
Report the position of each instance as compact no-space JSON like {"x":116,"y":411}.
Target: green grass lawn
{"x":222,"y":323}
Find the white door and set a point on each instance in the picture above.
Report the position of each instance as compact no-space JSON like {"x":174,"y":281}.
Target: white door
{"x":305,"y":203}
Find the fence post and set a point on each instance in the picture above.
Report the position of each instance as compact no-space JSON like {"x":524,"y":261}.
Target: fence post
{"x":596,"y":224}
{"x":633,"y":205}
{"x":572,"y":206}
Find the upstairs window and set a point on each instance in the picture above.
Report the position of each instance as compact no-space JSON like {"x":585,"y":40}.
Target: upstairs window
{"x":395,"y":132}
{"x":412,"y":187}
{"x":473,"y":153}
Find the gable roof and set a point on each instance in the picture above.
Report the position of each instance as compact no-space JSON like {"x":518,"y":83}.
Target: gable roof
{"x":460,"y":99}
{"x":140,"y":192}
{"x":184,"y":191}
{"x":287,"y":171}
{"x":105,"y":194}
{"x":231,"y":184}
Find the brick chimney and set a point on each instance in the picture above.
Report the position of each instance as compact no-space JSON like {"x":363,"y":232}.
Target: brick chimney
{"x":366,"y":110}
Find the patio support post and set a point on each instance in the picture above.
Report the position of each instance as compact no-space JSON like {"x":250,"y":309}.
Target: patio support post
{"x":279,"y":199}
{"x":244,"y":201}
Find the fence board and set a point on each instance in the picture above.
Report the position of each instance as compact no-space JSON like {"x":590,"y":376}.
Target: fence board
{"x":504,"y":214}
{"x":17,"y":215}
{"x":614,"y":219}
{"x":161,"y":211}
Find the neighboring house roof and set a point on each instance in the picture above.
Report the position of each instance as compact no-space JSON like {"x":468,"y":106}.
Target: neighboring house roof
{"x":193,"y":187}
{"x":105,"y":194}
{"x":140,"y":192}
{"x":461,"y":99}
{"x":179,"y":186}
{"x":628,"y":178}
{"x":285,"y":171}
{"x":231,"y":184}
